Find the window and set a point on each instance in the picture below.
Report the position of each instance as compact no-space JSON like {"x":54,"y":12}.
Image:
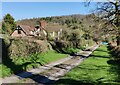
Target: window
{"x":19,"y":32}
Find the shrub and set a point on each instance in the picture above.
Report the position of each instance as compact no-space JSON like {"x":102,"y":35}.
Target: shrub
{"x":25,"y":47}
{"x":4,"y":70}
{"x":70,"y":50}
{"x":64,"y":47}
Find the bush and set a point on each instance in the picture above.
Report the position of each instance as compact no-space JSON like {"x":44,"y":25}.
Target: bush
{"x":64,"y":47}
{"x":70,"y":50}
{"x":86,"y":43}
{"x":5,"y":71}
{"x":25,"y":47}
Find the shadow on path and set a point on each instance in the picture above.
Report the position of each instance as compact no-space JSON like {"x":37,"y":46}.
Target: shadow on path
{"x":71,"y":82}
{"x":101,"y":50}
{"x":99,"y":56}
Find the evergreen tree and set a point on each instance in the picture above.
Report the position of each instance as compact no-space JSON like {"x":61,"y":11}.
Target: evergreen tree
{"x":8,"y":24}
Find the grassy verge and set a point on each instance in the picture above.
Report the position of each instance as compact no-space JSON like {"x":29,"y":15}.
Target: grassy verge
{"x":52,"y":56}
{"x":96,"y":70}
{"x":71,"y":50}
{"x":27,"y":63}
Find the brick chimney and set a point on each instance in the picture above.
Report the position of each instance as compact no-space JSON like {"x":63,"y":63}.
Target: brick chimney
{"x":43,"y":23}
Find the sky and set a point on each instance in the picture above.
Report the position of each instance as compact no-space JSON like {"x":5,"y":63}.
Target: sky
{"x":27,"y":10}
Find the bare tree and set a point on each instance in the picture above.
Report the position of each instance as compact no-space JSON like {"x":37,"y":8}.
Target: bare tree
{"x":109,"y":11}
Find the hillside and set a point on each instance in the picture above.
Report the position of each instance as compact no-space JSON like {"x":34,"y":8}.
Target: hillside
{"x":87,"y":23}
{"x":86,"y":20}
{"x":55,"y":19}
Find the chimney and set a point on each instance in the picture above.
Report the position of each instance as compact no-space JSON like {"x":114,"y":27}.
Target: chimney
{"x":43,"y":23}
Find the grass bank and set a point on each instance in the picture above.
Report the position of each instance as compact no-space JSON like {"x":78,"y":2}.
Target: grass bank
{"x":96,"y":70}
{"x":33,"y":61}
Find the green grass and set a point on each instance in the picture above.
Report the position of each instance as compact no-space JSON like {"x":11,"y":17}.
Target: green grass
{"x":51,"y":56}
{"x":27,"y":63}
{"x":94,"y":70}
{"x":71,"y":50}
{"x":4,"y":71}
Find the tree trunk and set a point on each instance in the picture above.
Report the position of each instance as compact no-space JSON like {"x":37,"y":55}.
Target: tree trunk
{"x":117,"y":15}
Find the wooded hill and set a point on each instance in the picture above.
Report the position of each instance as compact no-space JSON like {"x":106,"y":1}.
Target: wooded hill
{"x":87,"y":23}
{"x":87,"y":20}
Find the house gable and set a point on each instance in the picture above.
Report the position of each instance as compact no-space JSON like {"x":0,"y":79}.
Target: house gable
{"x":16,"y":34}
{"x":21,"y":31}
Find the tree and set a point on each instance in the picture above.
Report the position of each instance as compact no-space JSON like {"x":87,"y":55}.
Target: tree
{"x":37,"y":24}
{"x":8,"y":24}
{"x":111,"y":12}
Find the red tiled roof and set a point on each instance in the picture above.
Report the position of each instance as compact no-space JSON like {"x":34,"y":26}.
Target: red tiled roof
{"x":27,"y":29}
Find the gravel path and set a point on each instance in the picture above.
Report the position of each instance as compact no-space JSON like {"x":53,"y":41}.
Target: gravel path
{"x":50,"y":73}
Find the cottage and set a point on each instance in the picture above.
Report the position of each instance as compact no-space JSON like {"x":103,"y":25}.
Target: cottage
{"x":54,"y":30}
{"x":24,"y":30}
{"x":40,"y":28}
